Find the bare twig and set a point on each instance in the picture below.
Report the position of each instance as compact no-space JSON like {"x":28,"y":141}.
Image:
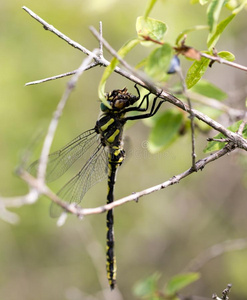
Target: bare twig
{"x":242,"y":125}
{"x":80,"y":212}
{"x":92,"y":65}
{"x":52,"y":29}
{"x":19,"y":201}
{"x":8,"y":216}
{"x":100,"y":41}
{"x":192,"y":122}
{"x":193,"y":53}
{"x":225,"y":293}
{"x":218,"y":140}
{"x":223,"y":61}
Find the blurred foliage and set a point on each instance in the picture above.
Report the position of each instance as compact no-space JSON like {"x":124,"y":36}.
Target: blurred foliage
{"x":161,"y":233}
{"x":148,"y":288}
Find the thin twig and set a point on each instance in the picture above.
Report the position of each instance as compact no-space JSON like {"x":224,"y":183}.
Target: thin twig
{"x":100,"y":41}
{"x":242,"y":125}
{"x":52,"y":29}
{"x":81,"y":212}
{"x":218,"y":140}
{"x":94,"y":64}
{"x":19,"y":201}
{"x":144,"y":79}
{"x":8,"y":216}
{"x":223,"y":61}
{"x":51,"y":78}
{"x":225,"y":293}
{"x":192,"y":121}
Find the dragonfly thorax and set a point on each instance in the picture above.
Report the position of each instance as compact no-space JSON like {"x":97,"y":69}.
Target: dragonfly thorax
{"x":110,"y":128}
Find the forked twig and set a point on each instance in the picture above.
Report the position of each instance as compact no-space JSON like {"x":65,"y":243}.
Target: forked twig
{"x":81,"y":212}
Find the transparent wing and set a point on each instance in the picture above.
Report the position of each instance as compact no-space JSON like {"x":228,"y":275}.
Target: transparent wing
{"x":60,"y":161}
{"x":94,"y":170}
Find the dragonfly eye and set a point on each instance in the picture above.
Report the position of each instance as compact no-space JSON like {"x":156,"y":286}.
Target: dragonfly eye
{"x":120,"y":103}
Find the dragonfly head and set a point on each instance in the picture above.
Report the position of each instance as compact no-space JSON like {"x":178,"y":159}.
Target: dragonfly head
{"x":119,"y":99}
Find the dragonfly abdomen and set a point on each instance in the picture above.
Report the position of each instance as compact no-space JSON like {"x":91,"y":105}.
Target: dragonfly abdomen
{"x":115,"y":159}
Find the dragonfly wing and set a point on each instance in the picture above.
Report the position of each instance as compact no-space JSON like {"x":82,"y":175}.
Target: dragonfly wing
{"x":92,"y":172}
{"x":60,"y":161}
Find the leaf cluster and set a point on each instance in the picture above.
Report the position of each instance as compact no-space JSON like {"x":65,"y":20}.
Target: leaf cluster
{"x":148,"y":288}
{"x":163,"y":61}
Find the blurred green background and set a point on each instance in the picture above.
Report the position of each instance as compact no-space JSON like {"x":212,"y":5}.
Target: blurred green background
{"x":164,"y":231}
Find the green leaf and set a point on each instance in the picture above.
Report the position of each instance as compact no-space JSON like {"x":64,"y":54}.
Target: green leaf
{"x":196,"y":71}
{"x":176,"y":283}
{"x":110,"y":68}
{"x":226,"y":55}
{"x":213,"y":39}
{"x":149,"y":7}
{"x":188,"y":30}
{"x":165,"y":131}
{"x":214,"y":36}
{"x":150,"y":28}
{"x":214,"y":146}
{"x":209,"y":90}
{"x":158,"y":62}
{"x":147,"y":287}
{"x":213,"y":13}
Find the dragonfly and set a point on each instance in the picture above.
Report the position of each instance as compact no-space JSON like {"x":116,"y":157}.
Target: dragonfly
{"x":106,"y":140}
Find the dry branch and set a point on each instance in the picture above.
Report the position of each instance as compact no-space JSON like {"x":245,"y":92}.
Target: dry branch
{"x":235,"y":140}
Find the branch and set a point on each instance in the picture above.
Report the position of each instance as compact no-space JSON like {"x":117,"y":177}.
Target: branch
{"x":158,"y":92}
{"x":234,"y":139}
{"x":223,"y":61}
{"x":192,"y":123}
{"x":52,"y":29}
{"x":193,"y":53}
{"x":81,"y":212}
{"x":60,"y":75}
{"x":225,"y":293}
